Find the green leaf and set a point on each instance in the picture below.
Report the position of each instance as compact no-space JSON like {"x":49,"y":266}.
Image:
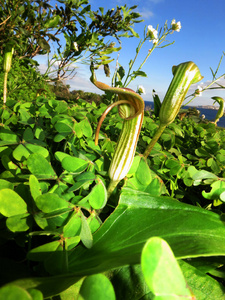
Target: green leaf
{"x":86,"y":128}
{"x":121,"y":238}
{"x":85,"y":234}
{"x":138,"y":217}
{"x":8,"y":137}
{"x":35,"y":187}
{"x":43,"y":44}
{"x":202,"y":285}
{"x":10,"y":291}
{"x":40,"y":167}
{"x":143,"y":173}
{"x":19,"y":223}
{"x":51,"y":202}
{"x":11,"y":204}
{"x":35,"y":294}
{"x":73,"y":226}
{"x":98,"y":196}
{"x":218,"y":187}
{"x":96,"y":287}
{"x":4,"y":184}
{"x":40,"y":253}
{"x":64,"y":126}
{"x":129,"y":283}
{"x":74,"y":164}
{"x":23,"y":151}
{"x":134,"y":165}
{"x":162,"y":272}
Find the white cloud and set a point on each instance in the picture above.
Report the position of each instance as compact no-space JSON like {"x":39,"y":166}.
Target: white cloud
{"x":145,"y":13}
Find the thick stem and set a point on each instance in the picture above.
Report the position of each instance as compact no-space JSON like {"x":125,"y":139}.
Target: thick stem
{"x":154,"y":140}
{"x":111,"y":187}
{"x":5,"y":87}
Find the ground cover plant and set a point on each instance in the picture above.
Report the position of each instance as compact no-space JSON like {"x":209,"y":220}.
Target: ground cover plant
{"x":104,"y":203}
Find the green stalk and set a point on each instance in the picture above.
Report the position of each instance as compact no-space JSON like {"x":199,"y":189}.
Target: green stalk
{"x":7,"y":62}
{"x":154,"y":140}
{"x":5,"y":87}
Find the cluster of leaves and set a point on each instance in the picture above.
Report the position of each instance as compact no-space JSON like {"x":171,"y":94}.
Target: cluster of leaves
{"x":35,"y":27}
{"x":53,"y":199}
{"x":187,"y":153}
{"x":24,"y":81}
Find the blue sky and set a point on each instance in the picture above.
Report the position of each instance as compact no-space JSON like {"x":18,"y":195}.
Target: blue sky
{"x":201,"y":40}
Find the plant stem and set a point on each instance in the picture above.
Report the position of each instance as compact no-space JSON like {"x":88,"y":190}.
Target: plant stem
{"x":154,"y":140}
{"x":131,"y":65}
{"x":111,"y":187}
{"x":5,"y":87}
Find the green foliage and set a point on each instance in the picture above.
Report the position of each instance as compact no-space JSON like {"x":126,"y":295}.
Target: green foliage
{"x":34,"y":26}
{"x":54,"y":178}
{"x":24,"y":81}
{"x":60,"y":235}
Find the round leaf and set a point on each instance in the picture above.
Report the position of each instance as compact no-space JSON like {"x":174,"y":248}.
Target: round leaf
{"x":143,"y":173}
{"x":51,"y":202}
{"x":97,"y":287}
{"x":4,"y":184}
{"x":40,"y":167}
{"x":74,"y":164}
{"x":19,"y":223}
{"x":11,"y":204}
{"x":14,"y":292}
{"x":98,"y":196}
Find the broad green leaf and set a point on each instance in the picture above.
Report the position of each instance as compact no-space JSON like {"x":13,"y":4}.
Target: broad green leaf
{"x":140,"y":216}
{"x":134,"y":165}
{"x":121,"y":238}
{"x":73,"y":226}
{"x":51,"y":202}
{"x":203,"y":174}
{"x":41,"y":252}
{"x":72,"y":242}
{"x":4,"y":184}
{"x":28,"y":134}
{"x":11,"y":204}
{"x":78,"y":130}
{"x":85,"y":234}
{"x":96,"y":287}
{"x":143,"y":173}
{"x":98,"y":196}
{"x":202,"y":285}
{"x":86,"y":127}
{"x":8,"y":137}
{"x":40,"y":167}
{"x":35,"y":187}
{"x":162,"y":272}
{"x":19,"y":223}
{"x":21,"y":153}
{"x":64,"y":126}
{"x":60,"y":155}
{"x":35,"y":294}
{"x":74,"y":164}
{"x":129,"y":283}
{"x":11,"y":292}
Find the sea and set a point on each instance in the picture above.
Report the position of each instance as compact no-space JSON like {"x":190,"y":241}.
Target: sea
{"x":210,"y":114}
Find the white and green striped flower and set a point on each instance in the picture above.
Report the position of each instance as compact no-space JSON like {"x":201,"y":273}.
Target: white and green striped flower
{"x":131,"y":110}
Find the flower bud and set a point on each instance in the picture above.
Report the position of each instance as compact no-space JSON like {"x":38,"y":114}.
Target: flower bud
{"x":185,"y":74}
{"x":8,"y":54}
{"x":220,"y":111}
